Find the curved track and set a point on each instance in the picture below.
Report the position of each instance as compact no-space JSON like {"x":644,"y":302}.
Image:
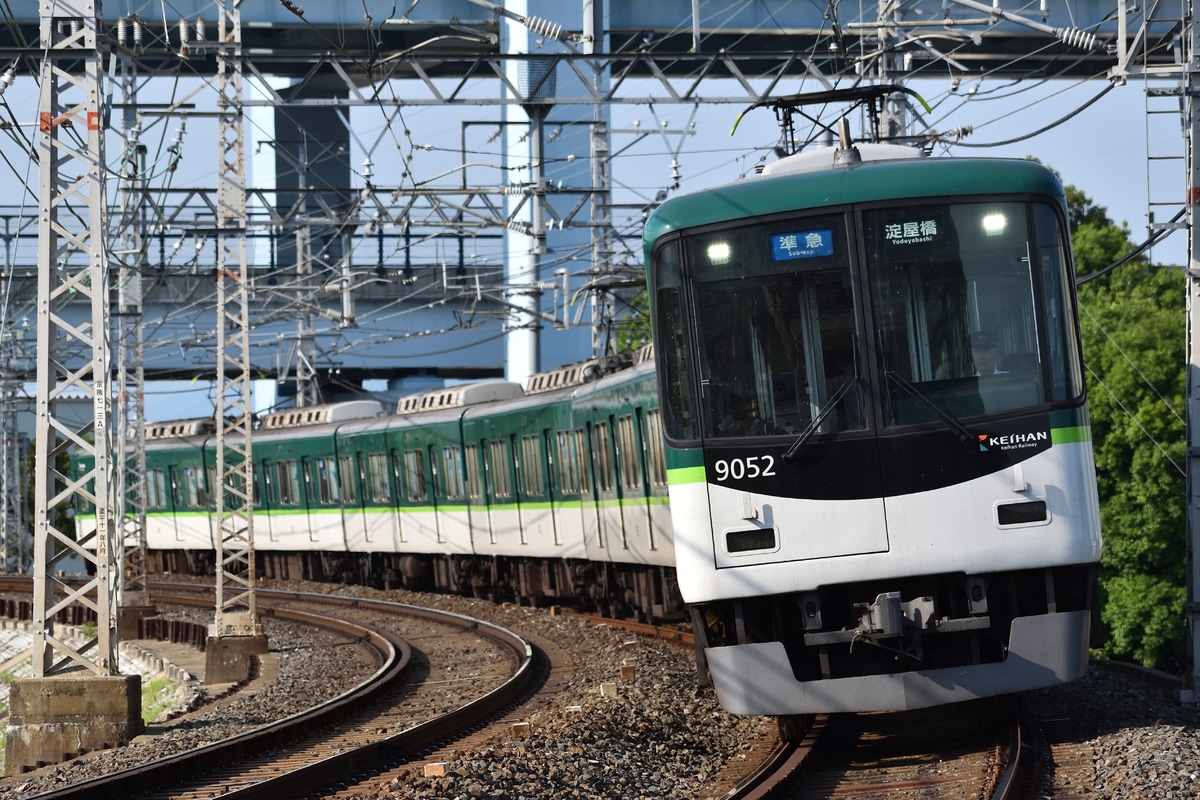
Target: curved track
{"x":290,"y":757}
{"x":960,"y":752}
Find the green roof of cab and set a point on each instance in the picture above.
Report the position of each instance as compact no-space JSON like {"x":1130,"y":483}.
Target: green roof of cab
{"x":861,"y":183}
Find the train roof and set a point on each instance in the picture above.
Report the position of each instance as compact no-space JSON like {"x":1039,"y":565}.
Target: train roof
{"x":813,"y":181}
{"x":434,"y":406}
{"x":467,"y":394}
{"x":322,"y":414}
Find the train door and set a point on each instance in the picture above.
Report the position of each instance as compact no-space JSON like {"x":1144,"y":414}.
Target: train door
{"x":635,"y":514}
{"x":503,"y":509}
{"x":269,"y":505}
{"x":382,"y":524}
{"x":655,"y":460}
{"x":441,"y":474}
{"x":535,"y":517}
{"x":177,"y":504}
{"x":308,"y":500}
{"x":355,"y":502}
{"x":569,"y":509}
{"x":476,"y":488}
{"x":611,"y":527}
{"x":396,"y":464}
{"x":589,"y":502}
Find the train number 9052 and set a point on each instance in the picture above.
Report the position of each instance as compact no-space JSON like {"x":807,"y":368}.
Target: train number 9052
{"x":741,"y":468}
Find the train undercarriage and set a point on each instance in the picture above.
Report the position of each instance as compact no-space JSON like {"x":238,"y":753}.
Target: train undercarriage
{"x":623,"y":591}
{"x":827,"y":648}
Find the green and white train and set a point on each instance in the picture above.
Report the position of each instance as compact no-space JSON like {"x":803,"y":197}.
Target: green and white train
{"x":554,"y":494}
{"x":873,"y":433}
{"x":881,"y":475}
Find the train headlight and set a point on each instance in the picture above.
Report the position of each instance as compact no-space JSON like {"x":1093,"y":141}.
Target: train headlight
{"x":994,"y":224}
{"x":719,"y":252}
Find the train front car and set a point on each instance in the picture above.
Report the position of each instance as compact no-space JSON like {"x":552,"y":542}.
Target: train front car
{"x":881,"y":474}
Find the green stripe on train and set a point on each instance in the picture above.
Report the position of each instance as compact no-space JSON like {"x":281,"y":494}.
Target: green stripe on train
{"x":678,"y":477}
{"x":1072,"y":435}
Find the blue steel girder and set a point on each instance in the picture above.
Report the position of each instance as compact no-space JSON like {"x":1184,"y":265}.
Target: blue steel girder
{"x":444,"y":44}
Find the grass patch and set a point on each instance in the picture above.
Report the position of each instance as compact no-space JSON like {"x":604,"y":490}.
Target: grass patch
{"x":158,"y":697}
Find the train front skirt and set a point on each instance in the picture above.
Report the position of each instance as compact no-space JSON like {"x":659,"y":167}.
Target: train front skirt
{"x":1043,"y":651}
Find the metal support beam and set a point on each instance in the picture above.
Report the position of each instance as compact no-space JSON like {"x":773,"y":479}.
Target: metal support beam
{"x":130,"y":496}
{"x":72,"y":260}
{"x":235,"y":612}
{"x":1192,"y":127}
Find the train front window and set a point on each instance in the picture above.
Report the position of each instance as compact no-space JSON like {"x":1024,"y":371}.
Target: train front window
{"x":969,"y":308}
{"x":774,"y":304}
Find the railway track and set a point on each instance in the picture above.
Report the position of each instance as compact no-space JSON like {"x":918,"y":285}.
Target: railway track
{"x":346,"y":766}
{"x":362,"y":732}
{"x":965,"y":751}
{"x":871,"y":756}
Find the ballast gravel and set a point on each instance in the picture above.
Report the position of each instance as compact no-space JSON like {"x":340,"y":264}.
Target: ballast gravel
{"x":655,"y":736}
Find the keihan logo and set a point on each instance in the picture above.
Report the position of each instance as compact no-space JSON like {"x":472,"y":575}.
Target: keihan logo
{"x":1012,"y":441}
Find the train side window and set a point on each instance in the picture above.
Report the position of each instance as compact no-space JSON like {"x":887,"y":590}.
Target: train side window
{"x":675,"y":368}
{"x":194,"y":481}
{"x":289,"y":483}
{"x":531,"y":465}
{"x":414,"y":471}
{"x":568,"y":464}
{"x":656,"y":454}
{"x":627,"y":454}
{"x":501,"y":469}
{"x":1066,"y":378}
{"x":452,"y":472}
{"x":474,"y":476}
{"x":378,"y":477}
{"x":346,"y":479}
{"x":156,"y":489}
{"x":577,"y":454}
{"x":327,"y":487}
{"x":602,"y":457}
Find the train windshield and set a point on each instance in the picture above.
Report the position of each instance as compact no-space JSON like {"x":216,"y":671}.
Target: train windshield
{"x":775,"y":313}
{"x":968,"y":304}
{"x":970,"y":307}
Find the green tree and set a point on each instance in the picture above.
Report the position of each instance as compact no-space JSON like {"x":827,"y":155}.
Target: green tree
{"x":1132,"y":321}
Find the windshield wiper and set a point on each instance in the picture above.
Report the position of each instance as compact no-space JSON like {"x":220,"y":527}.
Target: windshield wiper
{"x":947,"y":420}
{"x":807,"y":433}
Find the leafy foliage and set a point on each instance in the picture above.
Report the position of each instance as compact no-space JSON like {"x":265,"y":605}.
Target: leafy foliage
{"x":1132,"y":321}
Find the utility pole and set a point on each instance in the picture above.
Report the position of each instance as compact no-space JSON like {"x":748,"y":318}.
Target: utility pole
{"x":44,"y":720}
{"x":130,"y":495}
{"x":235,"y":634}
{"x":1191,"y":83}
